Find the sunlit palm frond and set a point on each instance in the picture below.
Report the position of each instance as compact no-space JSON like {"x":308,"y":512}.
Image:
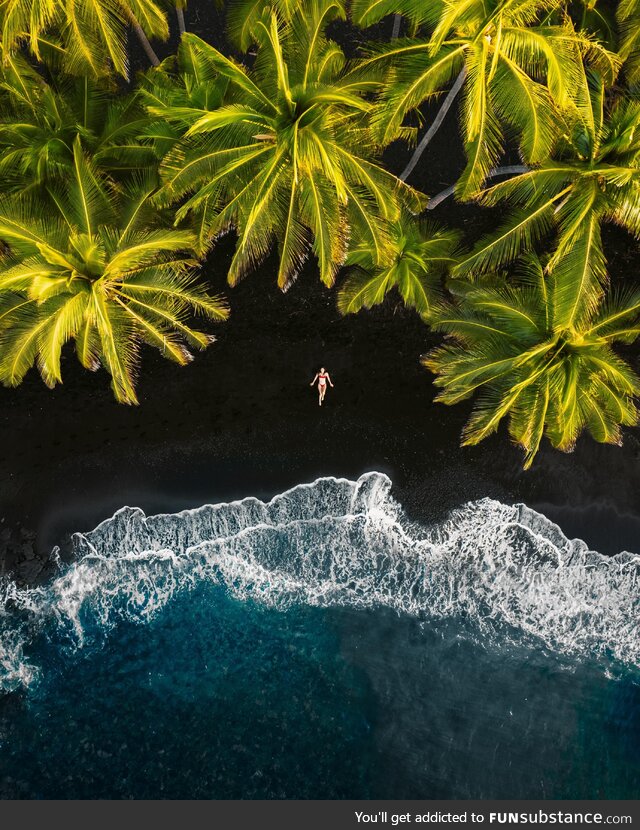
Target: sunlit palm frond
{"x":41,"y":121}
{"x":419,"y":254}
{"x":286,"y":157}
{"x":85,"y":37}
{"x":628,"y":19}
{"x":417,"y":12}
{"x":592,"y":178}
{"x":536,"y":352}
{"x":106,"y":273}
{"x":518,"y":68}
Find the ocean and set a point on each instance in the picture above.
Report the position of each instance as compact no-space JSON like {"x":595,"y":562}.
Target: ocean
{"x":321,"y":645}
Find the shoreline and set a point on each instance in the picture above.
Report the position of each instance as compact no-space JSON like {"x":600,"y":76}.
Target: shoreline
{"x":241,"y":420}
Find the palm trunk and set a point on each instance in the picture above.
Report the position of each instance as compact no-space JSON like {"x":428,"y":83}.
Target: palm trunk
{"x":180,"y":16}
{"x":435,"y":126}
{"x":397,"y":20}
{"x":508,"y":170}
{"x":144,"y":40}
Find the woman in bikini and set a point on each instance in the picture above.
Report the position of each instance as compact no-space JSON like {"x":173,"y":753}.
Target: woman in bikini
{"x":323,"y":378}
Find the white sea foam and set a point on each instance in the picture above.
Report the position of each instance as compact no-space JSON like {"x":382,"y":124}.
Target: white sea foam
{"x":337,"y":542}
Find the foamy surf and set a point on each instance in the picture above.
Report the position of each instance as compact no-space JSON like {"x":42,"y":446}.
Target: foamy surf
{"x":334,"y":542}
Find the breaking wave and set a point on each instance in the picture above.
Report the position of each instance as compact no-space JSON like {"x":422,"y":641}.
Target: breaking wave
{"x":334,"y":542}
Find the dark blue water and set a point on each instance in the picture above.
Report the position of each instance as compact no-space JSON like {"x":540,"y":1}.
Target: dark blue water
{"x":219,"y":695}
{"x":213,"y":699}
{"x":218,"y":698}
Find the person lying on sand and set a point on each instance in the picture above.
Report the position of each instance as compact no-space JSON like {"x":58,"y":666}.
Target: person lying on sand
{"x":322,"y":377}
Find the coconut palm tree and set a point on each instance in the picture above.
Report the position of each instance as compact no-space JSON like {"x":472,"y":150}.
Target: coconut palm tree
{"x":421,"y":253}
{"x":514,"y":66}
{"x":180,"y":6}
{"x":39,"y":122}
{"x":101,"y":270}
{"x":88,"y":36}
{"x":510,"y":343}
{"x":288,"y":160}
{"x":592,"y":177}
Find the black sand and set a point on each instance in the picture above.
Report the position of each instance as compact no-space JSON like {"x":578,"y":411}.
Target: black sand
{"x":242,"y":420}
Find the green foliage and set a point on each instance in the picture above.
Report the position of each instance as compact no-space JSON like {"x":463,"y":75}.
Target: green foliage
{"x":181,"y":88}
{"x":520,"y":71}
{"x":418,"y":12}
{"x":87,"y":37}
{"x":592,"y":177}
{"x":511,"y":344}
{"x":100,"y":269}
{"x":244,"y":17}
{"x":40,"y":121}
{"x":420,"y":254}
{"x":288,"y":159}
{"x":628,"y":18}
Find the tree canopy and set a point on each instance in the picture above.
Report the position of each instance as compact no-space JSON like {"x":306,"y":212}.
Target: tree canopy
{"x":99,"y":269}
{"x":115,"y":191}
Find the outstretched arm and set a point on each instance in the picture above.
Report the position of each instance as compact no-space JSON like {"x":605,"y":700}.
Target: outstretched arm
{"x":329,"y":379}
{"x":314,"y":380}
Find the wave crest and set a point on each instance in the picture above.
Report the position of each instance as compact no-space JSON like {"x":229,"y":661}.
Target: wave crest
{"x":339,"y":542}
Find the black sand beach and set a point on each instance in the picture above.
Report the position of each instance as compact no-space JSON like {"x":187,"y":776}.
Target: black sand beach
{"x":241,"y":419}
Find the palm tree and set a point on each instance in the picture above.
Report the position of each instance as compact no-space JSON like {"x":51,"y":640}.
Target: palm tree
{"x":420,"y":254}
{"x":101,"y":270}
{"x":88,"y":36}
{"x":514,"y":66}
{"x":592,"y":177}
{"x":180,"y":7}
{"x":289,"y":159}
{"x":39,"y":122}
{"x":184,"y":83}
{"x":510,"y":343}
{"x":628,"y":20}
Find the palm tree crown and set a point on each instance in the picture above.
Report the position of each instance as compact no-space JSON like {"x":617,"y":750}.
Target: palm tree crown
{"x":593,"y":177}
{"x":100,"y":270}
{"x":87,"y":37}
{"x":510,"y":343}
{"x":518,"y":67}
{"x":40,"y":121}
{"x":420,"y":254}
{"x":288,"y":159}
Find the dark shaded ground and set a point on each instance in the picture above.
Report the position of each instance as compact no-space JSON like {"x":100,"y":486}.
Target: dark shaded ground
{"x":242,"y":420}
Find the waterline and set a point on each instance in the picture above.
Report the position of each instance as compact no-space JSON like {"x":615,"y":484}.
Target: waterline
{"x":507,"y":570}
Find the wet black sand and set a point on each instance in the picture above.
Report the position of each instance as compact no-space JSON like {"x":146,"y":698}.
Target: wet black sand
{"x":242,"y":420}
